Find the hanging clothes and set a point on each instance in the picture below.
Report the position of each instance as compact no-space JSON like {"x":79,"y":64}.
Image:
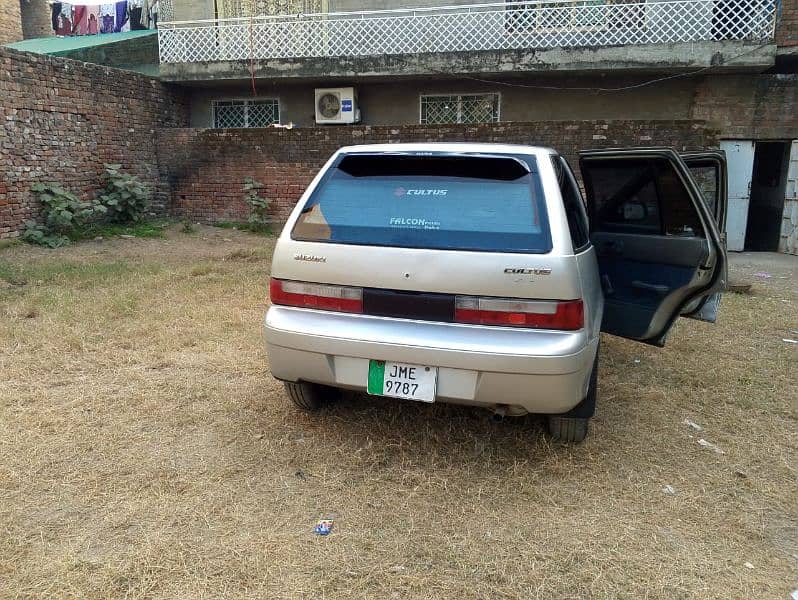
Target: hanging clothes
{"x":65,"y":19}
{"x":135,"y":19}
{"x":136,"y":8}
{"x":145,"y":14}
{"x":79,"y":23}
{"x":154,"y":10}
{"x":55,"y":12}
{"x":93,"y":20}
{"x":122,"y":23}
{"x":107,"y":18}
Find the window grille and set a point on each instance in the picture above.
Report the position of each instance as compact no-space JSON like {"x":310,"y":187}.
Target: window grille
{"x":472,"y":108}
{"x":231,"y":114}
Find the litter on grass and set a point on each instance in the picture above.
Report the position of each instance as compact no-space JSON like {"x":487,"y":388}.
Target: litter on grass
{"x":397,"y":569}
{"x":789,"y":341}
{"x":323,"y":527}
{"x":748,"y":565}
{"x":739,"y":288}
{"x":710,"y":446}
{"x":693,"y":424}
{"x":668,"y":489}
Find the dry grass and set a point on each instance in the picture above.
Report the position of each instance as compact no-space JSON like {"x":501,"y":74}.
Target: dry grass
{"x":146,"y":453}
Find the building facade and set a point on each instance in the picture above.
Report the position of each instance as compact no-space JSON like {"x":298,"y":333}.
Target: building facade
{"x":731,"y":63}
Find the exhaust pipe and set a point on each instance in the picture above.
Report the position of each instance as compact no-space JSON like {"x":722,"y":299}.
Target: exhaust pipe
{"x":499,"y":413}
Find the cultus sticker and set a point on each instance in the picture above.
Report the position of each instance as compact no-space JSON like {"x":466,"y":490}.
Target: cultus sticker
{"x":398,"y":192}
{"x":523,"y":271}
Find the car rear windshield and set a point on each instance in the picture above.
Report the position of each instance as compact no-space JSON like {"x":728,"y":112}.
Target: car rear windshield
{"x":451,"y":202}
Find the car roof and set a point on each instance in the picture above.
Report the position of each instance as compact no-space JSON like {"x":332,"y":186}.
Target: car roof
{"x":451,"y":147}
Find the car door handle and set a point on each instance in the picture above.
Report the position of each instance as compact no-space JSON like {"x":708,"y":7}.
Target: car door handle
{"x":660,"y":290}
{"x":607,"y":285}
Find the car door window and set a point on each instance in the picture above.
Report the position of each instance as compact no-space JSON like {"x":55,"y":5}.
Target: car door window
{"x":706,"y":177}
{"x":708,"y":170}
{"x":644,"y":196}
{"x":574,"y":205}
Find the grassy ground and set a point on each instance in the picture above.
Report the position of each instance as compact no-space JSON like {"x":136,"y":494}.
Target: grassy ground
{"x":146,"y":453}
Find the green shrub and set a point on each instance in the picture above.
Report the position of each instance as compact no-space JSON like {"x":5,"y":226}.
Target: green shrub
{"x":125,"y":196}
{"x":63,"y":215}
{"x":258,"y":206}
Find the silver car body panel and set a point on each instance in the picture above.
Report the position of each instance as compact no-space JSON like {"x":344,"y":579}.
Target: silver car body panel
{"x":536,"y":371}
{"x":530,"y":370}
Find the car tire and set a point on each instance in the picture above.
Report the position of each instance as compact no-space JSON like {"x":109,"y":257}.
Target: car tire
{"x":571,"y":430}
{"x":307,"y":396}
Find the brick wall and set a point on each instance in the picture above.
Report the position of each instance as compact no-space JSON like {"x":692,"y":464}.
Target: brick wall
{"x":749,"y":106}
{"x":205,"y":168}
{"x":62,"y":120}
{"x":787,"y":27}
{"x":10,"y":22}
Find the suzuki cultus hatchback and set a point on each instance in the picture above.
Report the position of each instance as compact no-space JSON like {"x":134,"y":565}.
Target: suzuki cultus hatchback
{"x":475,"y":273}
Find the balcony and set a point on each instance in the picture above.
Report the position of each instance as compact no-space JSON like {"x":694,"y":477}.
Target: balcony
{"x":530,"y":28}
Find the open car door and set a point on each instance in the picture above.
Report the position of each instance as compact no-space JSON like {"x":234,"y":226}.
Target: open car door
{"x":709,"y":172}
{"x":658,"y":246}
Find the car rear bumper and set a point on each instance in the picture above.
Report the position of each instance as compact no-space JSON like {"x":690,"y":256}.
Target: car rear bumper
{"x":532,"y":371}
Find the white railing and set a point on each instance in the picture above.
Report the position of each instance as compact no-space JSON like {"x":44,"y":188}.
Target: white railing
{"x":497,"y":26}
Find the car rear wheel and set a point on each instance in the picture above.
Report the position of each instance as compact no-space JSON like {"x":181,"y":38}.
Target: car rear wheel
{"x":308,"y":396}
{"x":568,"y":429}
{"x":572,"y":427}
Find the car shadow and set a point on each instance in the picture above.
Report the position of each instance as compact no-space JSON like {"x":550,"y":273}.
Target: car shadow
{"x":453,"y":433}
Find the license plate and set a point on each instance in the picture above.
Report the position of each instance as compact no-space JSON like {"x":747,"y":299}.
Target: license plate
{"x":400,"y":380}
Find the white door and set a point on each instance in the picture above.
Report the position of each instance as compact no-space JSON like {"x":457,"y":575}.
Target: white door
{"x":740,"y":161}
{"x":789,"y":225}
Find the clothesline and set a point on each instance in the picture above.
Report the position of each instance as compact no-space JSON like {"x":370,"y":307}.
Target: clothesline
{"x":70,"y":19}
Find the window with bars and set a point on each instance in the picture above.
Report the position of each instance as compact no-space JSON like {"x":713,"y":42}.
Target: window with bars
{"x":473,"y":108}
{"x":231,"y":114}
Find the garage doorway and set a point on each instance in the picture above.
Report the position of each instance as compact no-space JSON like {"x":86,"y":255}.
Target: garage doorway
{"x":766,"y":207}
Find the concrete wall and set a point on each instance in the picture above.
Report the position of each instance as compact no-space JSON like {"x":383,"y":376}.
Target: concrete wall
{"x":186,"y":10}
{"x":397,"y":103}
{"x":193,"y":10}
{"x":10,"y":22}
{"x":36,"y":19}
{"x":350,"y":5}
{"x":742,"y":106}
{"x":62,"y":120}
{"x":206,"y":168}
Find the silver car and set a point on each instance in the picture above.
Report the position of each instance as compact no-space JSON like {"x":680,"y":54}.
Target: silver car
{"x":476,"y":274}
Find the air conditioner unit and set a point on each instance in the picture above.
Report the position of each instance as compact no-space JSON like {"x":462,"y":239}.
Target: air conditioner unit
{"x":337,"y":106}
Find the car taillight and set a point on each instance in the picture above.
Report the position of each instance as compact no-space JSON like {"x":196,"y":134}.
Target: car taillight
{"x":538,"y":314}
{"x":316,"y":295}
